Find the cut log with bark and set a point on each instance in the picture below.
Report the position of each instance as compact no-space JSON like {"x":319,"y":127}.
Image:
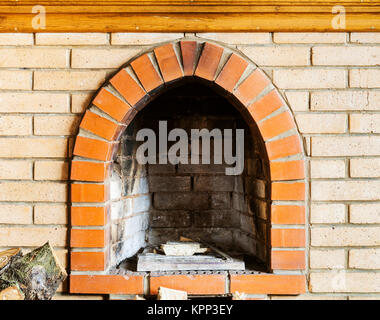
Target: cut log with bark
{"x":7,"y":256}
{"x":12,"y":293}
{"x":34,"y":276}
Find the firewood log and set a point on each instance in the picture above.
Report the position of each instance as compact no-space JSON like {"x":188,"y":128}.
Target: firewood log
{"x":36,"y":275}
{"x":9,"y":291}
{"x":7,"y":256}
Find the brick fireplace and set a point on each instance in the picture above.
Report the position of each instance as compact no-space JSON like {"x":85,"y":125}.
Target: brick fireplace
{"x":78,"y":81}
{"x":119,"y":206}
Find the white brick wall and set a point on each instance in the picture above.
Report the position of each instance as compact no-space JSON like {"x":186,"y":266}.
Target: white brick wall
{"x":345,"y":282}
{"x":346,"y":56}
{"x":345,"y":145}
{"x":325,"y":168}
{"x":345,"y":100}
{"x":101,"y":58}
{"x":278,"y":55}
{"x":328,"y":213}
{"x":321,"y":123}
{"x":310,"y":78}
{"x":364,"y":258}
{"x":365,"y":78}
{"x":362,"y":213}
{"x":327,"y":258}
{"x":365,"y":123}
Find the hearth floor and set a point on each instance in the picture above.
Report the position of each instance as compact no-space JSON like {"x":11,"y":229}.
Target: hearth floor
{"x":128,"y":267}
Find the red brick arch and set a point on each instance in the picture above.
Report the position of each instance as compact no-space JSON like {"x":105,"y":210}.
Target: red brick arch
{"x":127,"y":92}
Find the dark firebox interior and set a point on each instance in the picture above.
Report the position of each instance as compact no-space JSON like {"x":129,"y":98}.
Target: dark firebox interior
{"x":161,"y":202}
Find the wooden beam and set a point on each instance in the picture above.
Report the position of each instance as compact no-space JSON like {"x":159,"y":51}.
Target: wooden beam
{"x":188,"y":23}
{"x":189,"y":16}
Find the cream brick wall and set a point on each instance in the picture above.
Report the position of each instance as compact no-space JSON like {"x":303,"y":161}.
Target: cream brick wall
{"x":332,"y":84}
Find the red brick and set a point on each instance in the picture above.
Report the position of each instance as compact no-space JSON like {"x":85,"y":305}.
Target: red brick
{"x":89,"y":216}
{"x":85,"y":192}
{"x":287,"y":170}
{"x":112,"y":105}
{"x":288,"y":238}
{"x":89,"y":171}
{"x":146,"y":73}
{"x":93,"y":149}
{"x":265,"y":105}
{"x":276,"y":125}
{"x":88,"y":261}
{"x":107,"y":284}
{"x":288,"y":191}
{"x":288,"y":260}
{"x":209,"y":61}
{"x":88,"y":238}
{"x":251,"y":87}
{"x":168,"y":62}
{"x":100,"y":126}
{"x":231,"y":72}
{"x":283,"y":147}
{"x":189,"y":52}
{"x":129,"y":89}
{"x":268,"y":284}
{"x":193,"y":284}
{"x":283,"y":214}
